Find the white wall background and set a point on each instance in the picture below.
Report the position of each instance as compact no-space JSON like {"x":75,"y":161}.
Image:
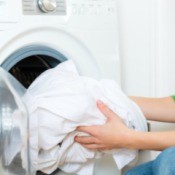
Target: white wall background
{"x":165,"y":73}
{"x":147,"y":49}
{"x":147,"y":45}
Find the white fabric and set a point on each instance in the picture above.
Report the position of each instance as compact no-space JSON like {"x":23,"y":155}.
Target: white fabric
{"x":60,"y":100}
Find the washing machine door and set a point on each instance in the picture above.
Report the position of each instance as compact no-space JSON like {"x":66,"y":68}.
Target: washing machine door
{"x":14,"y":129}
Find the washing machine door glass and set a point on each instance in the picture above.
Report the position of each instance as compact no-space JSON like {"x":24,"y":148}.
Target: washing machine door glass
{"x":14,"y":129}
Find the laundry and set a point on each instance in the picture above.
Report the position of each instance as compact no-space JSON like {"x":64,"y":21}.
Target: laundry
{"x":59,"y":101}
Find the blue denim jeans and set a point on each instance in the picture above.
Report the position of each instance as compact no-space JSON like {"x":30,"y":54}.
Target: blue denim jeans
{"x":164,"y":164}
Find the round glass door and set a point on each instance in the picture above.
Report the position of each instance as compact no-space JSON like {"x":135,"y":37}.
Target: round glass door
{"x":14,"y":129}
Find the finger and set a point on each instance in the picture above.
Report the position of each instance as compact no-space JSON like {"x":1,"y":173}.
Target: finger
{"x":86,"y":140}
{"x":108,"y":112}
{"x":92,"y":130}
{"x":104,"y":149}
{"x":92,"y":146}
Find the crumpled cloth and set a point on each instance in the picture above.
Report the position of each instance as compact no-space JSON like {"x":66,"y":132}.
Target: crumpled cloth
{"x":59,"y":101}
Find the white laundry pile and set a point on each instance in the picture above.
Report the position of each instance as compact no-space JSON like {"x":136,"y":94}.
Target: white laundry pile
{"x":58,"y":102}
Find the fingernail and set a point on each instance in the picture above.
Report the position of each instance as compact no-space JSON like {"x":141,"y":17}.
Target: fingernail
{"x":100,"y":102}
{"x":77,"y":128}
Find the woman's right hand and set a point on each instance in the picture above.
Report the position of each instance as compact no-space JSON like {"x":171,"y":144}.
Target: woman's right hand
{"x":113,"y":134}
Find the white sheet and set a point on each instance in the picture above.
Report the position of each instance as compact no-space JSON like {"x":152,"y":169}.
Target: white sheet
{"x":60,"y":100}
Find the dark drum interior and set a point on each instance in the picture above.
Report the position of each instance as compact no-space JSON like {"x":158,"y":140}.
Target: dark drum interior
{"x":28,"y":69}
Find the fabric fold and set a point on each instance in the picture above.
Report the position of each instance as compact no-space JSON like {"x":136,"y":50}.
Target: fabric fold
{"x":62,"y":100}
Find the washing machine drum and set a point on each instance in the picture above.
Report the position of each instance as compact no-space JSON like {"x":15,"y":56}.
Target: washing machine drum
{"x":28,"y":69}
{"x":29,"y":62}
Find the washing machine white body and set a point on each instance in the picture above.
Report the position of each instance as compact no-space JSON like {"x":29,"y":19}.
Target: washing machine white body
{"x":85,"y":31}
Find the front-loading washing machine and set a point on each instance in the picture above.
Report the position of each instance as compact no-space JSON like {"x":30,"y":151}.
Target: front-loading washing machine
{"x":36,"y":35}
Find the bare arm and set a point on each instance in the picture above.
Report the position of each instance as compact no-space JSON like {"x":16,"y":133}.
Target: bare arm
{"x":152,"y":140}
{"x":157,"y":109}
{"x":114,"y":133}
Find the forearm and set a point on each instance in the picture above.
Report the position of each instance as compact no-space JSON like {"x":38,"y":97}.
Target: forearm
{"x":115,"y":134}
{"x":151,"y":140}
{"x":157,"y":109}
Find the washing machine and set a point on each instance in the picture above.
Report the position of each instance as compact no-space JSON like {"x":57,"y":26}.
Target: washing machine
{"x":36,"y":35}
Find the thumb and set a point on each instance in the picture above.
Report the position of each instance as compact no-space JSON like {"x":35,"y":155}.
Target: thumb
{"x":108,"y":112}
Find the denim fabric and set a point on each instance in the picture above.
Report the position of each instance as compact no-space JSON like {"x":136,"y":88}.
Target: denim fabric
{"x":164,"y":164}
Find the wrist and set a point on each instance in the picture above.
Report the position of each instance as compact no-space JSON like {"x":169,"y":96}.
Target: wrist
{"x":129,"y":139}
{"x":140,"y":140}
{"x":134,"y":139}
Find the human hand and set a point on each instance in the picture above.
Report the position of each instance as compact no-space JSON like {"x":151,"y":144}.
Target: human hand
{"x":113,"y":134}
